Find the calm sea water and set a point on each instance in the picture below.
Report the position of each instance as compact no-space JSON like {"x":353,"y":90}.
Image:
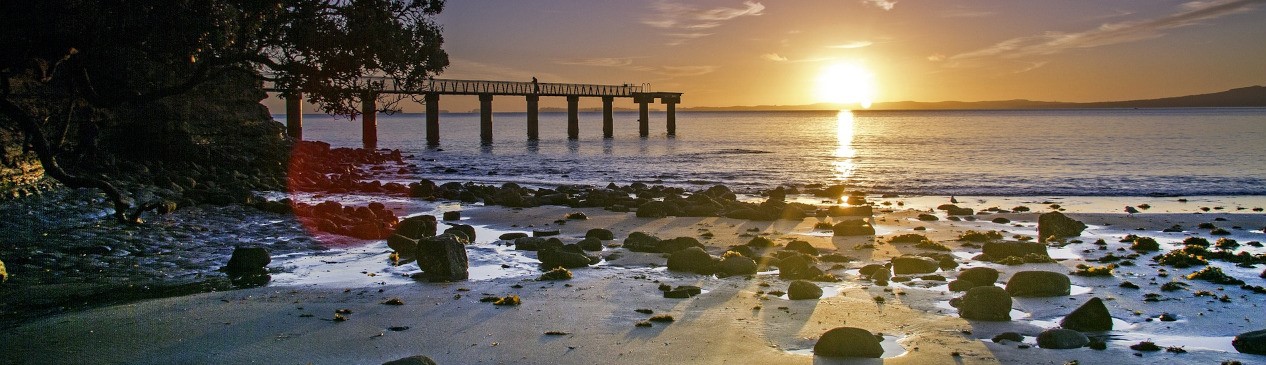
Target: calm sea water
{"x":1032,"y":152}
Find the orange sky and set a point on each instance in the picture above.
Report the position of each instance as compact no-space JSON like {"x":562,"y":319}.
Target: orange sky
{"x":735,"y":52}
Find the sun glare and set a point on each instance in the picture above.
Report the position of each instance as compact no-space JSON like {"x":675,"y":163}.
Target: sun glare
{"x":846,"y":83}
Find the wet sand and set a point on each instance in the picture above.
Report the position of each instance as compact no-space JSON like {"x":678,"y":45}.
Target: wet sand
{"x":735,"y":320}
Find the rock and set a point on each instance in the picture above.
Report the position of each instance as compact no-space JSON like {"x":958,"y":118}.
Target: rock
{"x":545,"y":232}
{"x":442,"y":258}
{"x":248,"y":260}
{"x":677,"y":244}
{"x":1058,"y":225}
{"x":853,"y":227}
{"x":759,"y":242}
{"x":859,"y":211}
{"x":797,"y":266}
{"x":412,"y":360}
{"x":871,"y":269}
{"x":737,"y":265}
{"x":693,"y":259}
{"x":652,"y":209}
{"x":956,"y":210}
{"x":453,"y":215}
{"x":577,"y":216}
{"x":404,"y":246}
{"x":535,"y":243}
{"x":801,"y":289}
{"x":1090,"y":317}
{"x":986,"y":303}
{"x":913,"y":265}
{"x":928,"y":217}
{"x":848,"y":342}
{"x":1008,"y":336}
{"x":641,"y":242}
{"x":417,"y":226}
{"x":1038,"y":284}
{"x":590,"y":244}
{"x":4,"y":273}
{"x":1251,"y":342}
{"x":683,"y":291}
{"x":600,"y":233}
{"x":802,"y":247}
{"x":1062,"y":338}
{"x":1001,"y":220}
{"x":979,"y":275}
{"x":552,"y":257}
{"x":962,"y":285}
{"x":1001,"y":250}
{"x":512,"y":236}
{"x":466,"y":229}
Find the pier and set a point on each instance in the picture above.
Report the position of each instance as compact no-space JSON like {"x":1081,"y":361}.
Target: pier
{"x":532,"y":91}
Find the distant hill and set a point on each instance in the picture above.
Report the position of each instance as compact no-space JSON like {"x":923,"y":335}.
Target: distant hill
{"x":1252,"y":96}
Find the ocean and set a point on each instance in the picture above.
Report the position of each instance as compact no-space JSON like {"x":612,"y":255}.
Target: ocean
{"x":1100,"y":152}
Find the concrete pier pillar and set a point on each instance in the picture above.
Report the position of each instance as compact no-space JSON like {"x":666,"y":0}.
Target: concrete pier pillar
{"x":608,"y":123}
{"x":369,"y":120}
{"x":573,"y":117}
{"x":294,"y":115}
{"x":485,"y":118}
{"x":432,"y":101}
{"x":533,"y":117}
{"x":670,"y":104}
{"x":643,"y":114}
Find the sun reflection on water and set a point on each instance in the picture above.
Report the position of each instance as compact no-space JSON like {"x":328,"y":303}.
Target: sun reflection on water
{"x":844,"y":152}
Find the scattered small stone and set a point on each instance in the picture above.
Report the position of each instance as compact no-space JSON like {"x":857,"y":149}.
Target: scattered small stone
{"x":644,"y":311}
{"x":577,"y":216}
{"x":643,"y":324}
{"x":1145,"y":346}
{"x":556,"y":333}
{"x":1008,"y":336}
{"x":393,"y":301}
{"x":664,"y":318}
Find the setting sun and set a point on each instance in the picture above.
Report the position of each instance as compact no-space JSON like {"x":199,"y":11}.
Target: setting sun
{"x":846,"y":83}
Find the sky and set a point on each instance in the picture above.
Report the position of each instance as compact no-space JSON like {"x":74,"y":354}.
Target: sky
{"x":746,"y":52}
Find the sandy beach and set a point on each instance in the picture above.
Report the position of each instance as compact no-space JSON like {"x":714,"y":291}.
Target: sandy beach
{"x":591,"y":318}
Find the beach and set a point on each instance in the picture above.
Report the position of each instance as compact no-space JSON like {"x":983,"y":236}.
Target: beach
{"x":591,"y":318}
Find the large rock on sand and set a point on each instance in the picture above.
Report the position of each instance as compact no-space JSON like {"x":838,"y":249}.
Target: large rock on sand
{"x":694,"y":260}
{"x":1061,"y":338}
{"x":802,"y":289}
{"x":848,"y":342}
{"x":853,"y":227}
{"x":442,"y":258}
{"x":986,"y":303}
{"x":412,"y":360}
{"x":600,"y":233}
{"x":248,"y":260}
{"x":552,"y":257}
{"x":903,"y":265}
{"x":979,"y":275}
{"x":417,"y":227}
{"x":1039,"y":284}
{"x":1251,"y":342}
{"x":1057,"y":225}
{"x":1090,"y":317}
{"x":737,"y":265}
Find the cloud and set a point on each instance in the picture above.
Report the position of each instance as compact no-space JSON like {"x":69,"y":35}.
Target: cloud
{"x":1030,"y":67}
{"x":774,"y":57}
{"x":967,"y":13}
{"x":852,"y":44}
{"x":682,"y":21}
{"x":465,"y":69}
{"x":936,"y":57}
{"x":1048,"y":43}
{"x":679,"y":71}
{"x":599,"y":62}
{"x":882,"y":4}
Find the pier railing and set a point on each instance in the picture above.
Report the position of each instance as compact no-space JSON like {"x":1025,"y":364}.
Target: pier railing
{"x":477,"y":87}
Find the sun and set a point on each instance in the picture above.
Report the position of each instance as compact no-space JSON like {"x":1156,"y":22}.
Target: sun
{"x":846,"y":83}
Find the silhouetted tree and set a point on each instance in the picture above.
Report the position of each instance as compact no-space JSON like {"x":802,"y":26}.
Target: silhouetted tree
{"x":66,"y":63}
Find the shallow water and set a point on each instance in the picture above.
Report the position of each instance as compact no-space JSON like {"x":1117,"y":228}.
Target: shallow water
{"x":1019,"y":152}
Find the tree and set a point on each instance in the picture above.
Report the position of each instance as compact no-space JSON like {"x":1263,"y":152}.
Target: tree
{"x":65,"y":64}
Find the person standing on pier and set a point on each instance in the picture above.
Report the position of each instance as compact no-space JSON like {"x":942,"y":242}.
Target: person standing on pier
{"x":536,"y":88}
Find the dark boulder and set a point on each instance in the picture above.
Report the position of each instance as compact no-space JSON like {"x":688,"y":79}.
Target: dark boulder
{"x":1090,"y":317}
{"x":248,"y":260}
{"x":800,"y":289}
{"x":797,"y":266}
{"x":985,"y":303}
{"x":1039,"y":284}
{"x":652,"y":209}
{"x":979,"y":275}
{"x":928,"y":217}
{"x":760,"y":242}
{"x":677,"y":244}
{"x":1001,"y":250}
{"x":453,"y":215}
{"x":1060,"y":339}
{"x":590,"y":244}
{"x":536,"y":243}
{"x":417,"y":226}
{"x":1251,"y":342}
{"x":962,"y":285}
{"x":848,"y":342}
{"x":412,"y":360}
{"x":1057,"y":225}
{"x":682,"y":292}
{"x":600,"y":233}
{"x":552,"y":257}
{"x":545,"y":232}
{"x":404,"y":246}
{"x":802,"y":247}
{"x":641,"y":242}
{"x":853,"y":227}
{"x":511,"y":236}
{"x":465,"y":229}
{"x":859,"y":211}
{"x":442,"y":258}
{"x":693,"y":259}
{"x":737,"y":265}
{"x":913,"y":265}
{"x":871,"y":269}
